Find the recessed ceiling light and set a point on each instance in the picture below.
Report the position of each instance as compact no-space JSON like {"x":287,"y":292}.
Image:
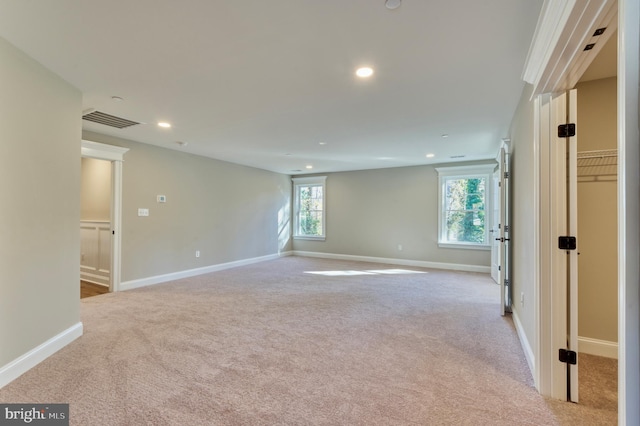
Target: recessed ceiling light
{"x":164,"y":124}
{"x":309,"y":166}
{"x":430,"y":155}
{"x":364,"y":72}
{"x":322,"y":143}
{"x":392,"y":4}
{"x":182,"y":143}
{"x":117,"y":98}
{"x":444,"y":135}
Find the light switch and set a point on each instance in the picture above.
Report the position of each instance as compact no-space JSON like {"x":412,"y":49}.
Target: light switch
{"x":143,"y":212}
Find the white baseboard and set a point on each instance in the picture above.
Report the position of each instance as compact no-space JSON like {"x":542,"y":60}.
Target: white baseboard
{"x":598,"y":347}
{"x":94,"y":282}
{"x":524,"y":342}
{"x":157,"y":279}
{"x":24,"y":363}
{"x":392,"y":261}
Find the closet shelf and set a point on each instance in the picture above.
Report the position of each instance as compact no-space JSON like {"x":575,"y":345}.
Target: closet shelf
{"x":598,"y":163}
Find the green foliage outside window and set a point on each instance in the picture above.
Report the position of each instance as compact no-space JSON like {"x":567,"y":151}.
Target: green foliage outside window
{"x":310,"y":214}
{"x":465,"y":210}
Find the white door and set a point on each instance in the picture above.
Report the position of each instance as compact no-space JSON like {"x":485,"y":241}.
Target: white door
{"x":572,"y":226}
{"x":564,"y":261}
{"x":503,"y":237}
{"x":494,"y":232}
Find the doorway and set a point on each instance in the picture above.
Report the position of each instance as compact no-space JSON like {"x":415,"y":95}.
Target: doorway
{"x":95,"y":227}
{"x":597,"y":214}
{"x":110,"y":242}
{"x":578,"y":139}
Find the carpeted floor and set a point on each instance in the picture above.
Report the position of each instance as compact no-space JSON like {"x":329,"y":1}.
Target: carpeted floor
{"x":272,"y":343}
{"x":598,"y":394}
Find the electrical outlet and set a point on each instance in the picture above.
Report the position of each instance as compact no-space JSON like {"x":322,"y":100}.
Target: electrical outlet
{"x":197,"y":253}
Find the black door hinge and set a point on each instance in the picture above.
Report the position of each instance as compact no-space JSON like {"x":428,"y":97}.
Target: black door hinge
{"x":567,"y":243}
{"x":566,"y":130}
{"x":567,"y":356}
{"x":506,"y":175}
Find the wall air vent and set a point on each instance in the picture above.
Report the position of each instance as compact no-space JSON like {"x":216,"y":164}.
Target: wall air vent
{"x":108,"y":120}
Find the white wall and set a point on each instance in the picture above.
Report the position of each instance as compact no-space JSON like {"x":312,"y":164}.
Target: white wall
{"x":629,"y":227}
{"x":95,"y":190}
{"x":40,"y":191}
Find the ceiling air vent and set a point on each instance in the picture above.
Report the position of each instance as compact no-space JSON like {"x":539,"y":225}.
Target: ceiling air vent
{"x":108,"y":120}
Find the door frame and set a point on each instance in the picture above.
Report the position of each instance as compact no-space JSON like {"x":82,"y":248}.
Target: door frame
{"x":504,"y":214}
{"x":495,"y":228}
{"x":113,"y":154}
{"x":628,"y":212}
{"x":555,"y":64}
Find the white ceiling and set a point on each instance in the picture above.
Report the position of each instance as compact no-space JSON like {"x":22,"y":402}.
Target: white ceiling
{"x":262,"y":83}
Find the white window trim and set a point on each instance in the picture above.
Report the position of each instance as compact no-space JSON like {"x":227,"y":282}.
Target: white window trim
{"x":313,"y":180}
{"x":479,"y":170}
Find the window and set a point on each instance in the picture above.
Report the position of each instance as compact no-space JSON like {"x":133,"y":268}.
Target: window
{"x":309,"y":208}
{"x":464,"y":206}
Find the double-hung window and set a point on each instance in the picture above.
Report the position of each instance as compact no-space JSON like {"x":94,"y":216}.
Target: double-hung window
{"x":464,"y":198}
{"x":309,"y":199}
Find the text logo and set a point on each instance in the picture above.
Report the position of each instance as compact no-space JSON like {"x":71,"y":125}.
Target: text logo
{"x":34,"y":414}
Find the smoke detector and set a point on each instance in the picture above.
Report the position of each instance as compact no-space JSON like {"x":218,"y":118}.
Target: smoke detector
{"x":392,"y":4}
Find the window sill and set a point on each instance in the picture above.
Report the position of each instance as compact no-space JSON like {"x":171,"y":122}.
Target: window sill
{"x":464,"y":246}
{"x":309,"y":237}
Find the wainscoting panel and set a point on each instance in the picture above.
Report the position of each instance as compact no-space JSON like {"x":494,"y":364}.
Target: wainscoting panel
{"x":95,"y":251}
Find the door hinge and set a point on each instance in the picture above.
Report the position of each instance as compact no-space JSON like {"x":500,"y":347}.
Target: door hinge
{"x":566,"y":130}
{"x":506,"y":175}
{"x":506,"y":282}
{"x":567,"y":356}
{"x":567,"y":243}
{"x":506,"y":228}
{"x":499,"y":268}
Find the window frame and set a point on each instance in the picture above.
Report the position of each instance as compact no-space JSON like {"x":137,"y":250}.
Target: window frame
{"x":305,"y":182}
{"x":465,"y":172}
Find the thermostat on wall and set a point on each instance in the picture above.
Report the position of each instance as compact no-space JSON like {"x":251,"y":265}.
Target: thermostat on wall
{"x":162,"y":198}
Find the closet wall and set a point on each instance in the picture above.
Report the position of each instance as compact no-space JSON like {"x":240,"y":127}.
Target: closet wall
{"x":597,"y":217}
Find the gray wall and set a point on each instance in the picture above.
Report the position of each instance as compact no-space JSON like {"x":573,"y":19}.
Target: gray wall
{"x":226,"y":211}
{"x":40,"y":191}
{"x":597,"y":214}
{"x":523,"y":214}
{"x":95,"y":190}
{"x":371,"y":212}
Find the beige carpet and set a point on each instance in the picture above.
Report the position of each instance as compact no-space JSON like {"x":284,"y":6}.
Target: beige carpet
{"x":272,"y":344}
{"x":598,"y":394}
